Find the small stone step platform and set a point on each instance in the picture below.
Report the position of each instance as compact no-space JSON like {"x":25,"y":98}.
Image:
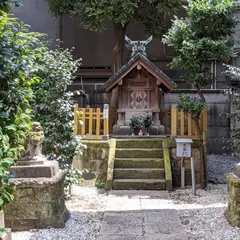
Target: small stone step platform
{"x":139,"y":164}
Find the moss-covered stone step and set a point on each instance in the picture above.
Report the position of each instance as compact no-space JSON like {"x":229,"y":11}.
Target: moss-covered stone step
{"x":139,"y":173}
{"x":138,"y":163}
{"x":139,"y":143}
{"x":138,"y":153}
{"x":139,"y":184}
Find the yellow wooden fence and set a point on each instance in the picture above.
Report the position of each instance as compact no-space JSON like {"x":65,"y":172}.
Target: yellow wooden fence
{"x":183,"y":126}
{"x":97,"y":125}
{"x":94,"y":123}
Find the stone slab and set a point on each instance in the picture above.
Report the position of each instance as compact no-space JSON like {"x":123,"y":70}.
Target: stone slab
{"x":236,"y":170}
{"x":2,"y":225}
{"x":30,"y":162}
{"x":145,"y":215}
{"x":6,"y":235}
{"x":46,"y":170}
{"x":121,"y":237}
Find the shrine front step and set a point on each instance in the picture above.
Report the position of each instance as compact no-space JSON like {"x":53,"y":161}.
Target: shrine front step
{"x":140,"y":143}
{"x":139,"y":173}
{"x":139,"y":184}
{"x":139,"y":163}
{"x":139,"y":153}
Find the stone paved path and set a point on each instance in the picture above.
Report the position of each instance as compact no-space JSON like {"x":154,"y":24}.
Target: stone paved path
{"x":141,"y":215}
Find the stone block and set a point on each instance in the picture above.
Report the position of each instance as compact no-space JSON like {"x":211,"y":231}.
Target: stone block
{"x":2,"y":225}
{"x":46,"y":170}
{"x":153,"y":130}
{"x":236,"y":170}
{"x":38,"y":203}
{"x":95,"y":160}
{"x":6,"y":235}
{"x":125,"y":130}
{"x":233,"y":210}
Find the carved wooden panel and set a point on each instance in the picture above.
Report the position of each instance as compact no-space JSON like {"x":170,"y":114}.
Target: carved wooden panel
{"x":139,"y":99}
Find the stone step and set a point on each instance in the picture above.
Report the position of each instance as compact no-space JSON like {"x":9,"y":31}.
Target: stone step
{"x":138,"y":163}
{"x":139,"y":143}
{"x":138,"y":153}
{"x":139,"y":184}
{"x":139,"y":173}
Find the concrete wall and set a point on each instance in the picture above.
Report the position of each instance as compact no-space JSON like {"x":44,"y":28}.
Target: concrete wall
{"x":35,"y":13}
{"x":94,"y":48}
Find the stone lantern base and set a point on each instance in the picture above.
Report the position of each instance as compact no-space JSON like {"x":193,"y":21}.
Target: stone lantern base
{"x":233,"y":211}
{"x":38,"y":199}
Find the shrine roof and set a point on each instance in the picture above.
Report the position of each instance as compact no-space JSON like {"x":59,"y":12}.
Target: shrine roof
{"x":151,"y":68}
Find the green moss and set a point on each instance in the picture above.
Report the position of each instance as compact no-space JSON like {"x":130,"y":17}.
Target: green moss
{"x":96,"y":143}
{"x":100,"y":185}
{"x":167,"y":165}
{"x":172,"y":144}
{"x":110,"y":169}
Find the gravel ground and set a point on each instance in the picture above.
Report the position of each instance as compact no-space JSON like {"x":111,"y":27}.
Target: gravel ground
{"x":203,"y":215}
{"x":87,"y":208}
{"x":218,"y":174}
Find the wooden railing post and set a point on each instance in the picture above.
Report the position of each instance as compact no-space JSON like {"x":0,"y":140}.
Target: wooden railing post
{"x":173,"y":121}
{"x":90,"y":125}
{"x":189,"y":122}
{"x":76,"y":123}
{"x":182,"y":120}
{"x":84,"y":121}
{"x":106,"y":120}
{"x":98,"y":121}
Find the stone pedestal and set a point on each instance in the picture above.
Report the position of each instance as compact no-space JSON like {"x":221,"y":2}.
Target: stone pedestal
{"x":233,"y":211}
{"x":124,"y":129}
{"x":7,"y":234}
{"x":38,"y":199}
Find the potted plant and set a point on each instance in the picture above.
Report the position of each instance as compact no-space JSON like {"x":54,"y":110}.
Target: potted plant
{"x":136,"y":123}
{"x":147,"y":122}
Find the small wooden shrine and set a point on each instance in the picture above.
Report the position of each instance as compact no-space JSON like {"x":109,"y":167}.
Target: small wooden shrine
{"x":139,"y":83}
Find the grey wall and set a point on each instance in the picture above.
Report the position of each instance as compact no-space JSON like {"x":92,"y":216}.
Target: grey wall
{"x":35,"y":13}
{"x":94,"y":48}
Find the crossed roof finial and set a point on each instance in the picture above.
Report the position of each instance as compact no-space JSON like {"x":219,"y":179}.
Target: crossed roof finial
{"x":137,"y":46}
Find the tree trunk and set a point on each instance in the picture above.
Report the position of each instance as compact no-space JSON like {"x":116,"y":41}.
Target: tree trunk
{"x":202,"y":159}
{"x":203,"y":167}
{"x":200,"y":93}
{"x":119,"y":32}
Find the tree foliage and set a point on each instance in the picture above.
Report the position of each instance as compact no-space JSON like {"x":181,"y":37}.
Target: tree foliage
{"x":95,"y":14}
{"x":234,"y":92}
{"x":19,"y":50}
{"x":204,"y":36}
{"x":6,"y":5}
{"x":55,"y":108}
{"x":191,"y":105}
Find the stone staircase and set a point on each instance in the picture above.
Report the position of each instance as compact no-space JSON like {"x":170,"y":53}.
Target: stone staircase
{"x":139,"y":164}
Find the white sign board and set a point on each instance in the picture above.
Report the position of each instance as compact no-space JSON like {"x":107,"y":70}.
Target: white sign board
{"x":105,"y":111}
{"x":183,"y":147}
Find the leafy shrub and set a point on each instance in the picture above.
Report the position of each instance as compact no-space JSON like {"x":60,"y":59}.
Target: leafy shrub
{"x":55,"y":109}
{"x":191,"y":105}
{"x":136,"y":123}
{"x":147,"y":121}
{"x":19,"y":50}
